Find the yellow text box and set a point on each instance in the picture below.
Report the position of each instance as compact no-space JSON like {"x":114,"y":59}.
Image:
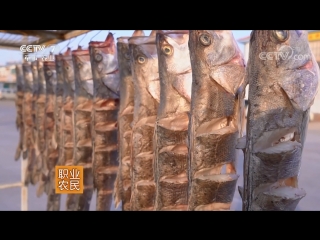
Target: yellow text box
{"x":69,"y":179}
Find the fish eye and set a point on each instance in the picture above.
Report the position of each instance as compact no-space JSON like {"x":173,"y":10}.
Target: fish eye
{"x":49,"y":73}
{"x":127,"y":55}
{"x":281,"y":35}
{"x":98,"y":57}
{"x":141,"y":59}
{"x":205,"y":39}
{"x":167,"y":50}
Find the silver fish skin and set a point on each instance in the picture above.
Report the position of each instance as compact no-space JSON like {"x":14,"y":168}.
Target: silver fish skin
{"x":144,"y":65}
{"x":171,"y":128}
{"x":19,"y":109}
{"x":283,"y":78}
{"x":122,"y":188}
{"x":51,"y":152}
{"x":218,"y":71}
{"x":82,"y":130}
{"x":106,"y":81}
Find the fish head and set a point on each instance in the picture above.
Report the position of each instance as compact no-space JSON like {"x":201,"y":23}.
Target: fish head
{"x":59,"y":64}
{"x":218,"y":55}
{"x":27,"y":72}
{"x":124,"y":53}
{"x":289,"y":62}
{"x":49,"y":69}
{"x":104,"y":60}
{"x":174,"y":59}
{"x":144,"y":63}
{"x":34,"y":69}
{"x":68,"y":71}
{"x":82,"y":68}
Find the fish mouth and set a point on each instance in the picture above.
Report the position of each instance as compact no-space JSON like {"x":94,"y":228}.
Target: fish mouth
{"x":185,"y":72}
{"x":236,"y":59}
{"x":306,"y":66}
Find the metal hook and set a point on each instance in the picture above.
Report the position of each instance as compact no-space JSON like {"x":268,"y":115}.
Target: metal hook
{"x":95,"y":35}
{"x":82,"y":39}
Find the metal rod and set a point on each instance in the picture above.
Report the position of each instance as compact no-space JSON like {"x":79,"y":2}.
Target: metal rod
{"x":24,"y":188}
{"x":10,"y":185}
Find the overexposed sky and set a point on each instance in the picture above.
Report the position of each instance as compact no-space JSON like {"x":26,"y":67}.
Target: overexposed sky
{"x":97,"y":35}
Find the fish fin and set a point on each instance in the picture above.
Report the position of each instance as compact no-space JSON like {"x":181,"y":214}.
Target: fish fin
{"x":241,"y":142}
{"x":117,"y":190}
{"x":54,"y":143}
{"x":25,"y":154}
{"x":154,"y":90}
{"x":17,"y":154}
{"x":40,"y":189}
{"x":240,"y":189}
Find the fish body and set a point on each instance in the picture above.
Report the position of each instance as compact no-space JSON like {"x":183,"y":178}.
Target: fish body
{"x":67,"y":124}
{"x":282,"y":88}
{"x":28,"y":142}
{"x":144,"y":63}
{"x":51,"y":153}
{"x":171,"y":131}
{"x":19,"y":108}
{"x":218,"y":71}
{"x":122,"y":191}
{"x":83,"y":101}
{"x":106,"y":81}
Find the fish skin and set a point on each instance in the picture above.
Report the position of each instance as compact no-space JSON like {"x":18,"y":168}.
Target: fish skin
{"x":106,"y":80}
{"x":19,"y":109}
{"x":144,"y":65}
{"x":122,"y":187}
{"x":171,"y":128}
{"x":51,"y":153}
{"x":40,"y":137}
{"x":67,"y":141}
{"x":281,"y":91}
{"x":28,"y":141}
{"x":218,"y":71}
{"x":82,"y":155}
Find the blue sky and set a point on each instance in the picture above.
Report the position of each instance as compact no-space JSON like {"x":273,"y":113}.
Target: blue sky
{"x":97,"y":35}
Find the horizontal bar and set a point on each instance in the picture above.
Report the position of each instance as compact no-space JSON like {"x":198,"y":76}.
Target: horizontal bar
{"x":10,"y":185}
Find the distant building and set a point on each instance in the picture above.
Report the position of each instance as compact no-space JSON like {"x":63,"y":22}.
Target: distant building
{"x":314,"y":41}
{"x":7,"y":81}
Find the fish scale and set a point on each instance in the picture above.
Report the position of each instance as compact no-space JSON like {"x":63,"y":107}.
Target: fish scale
{"x":51,"y":152}
{"x":103,"y":56}
{"x":40,"y":116}
{"x":82,"y":130}
{"x":28,"y":141}
{"x":67,"y":123}
{"x":171,"y":128}
{"x":122,"y":187}
{"x":276,"y":130}
{"x":19,"y":109}
{"x":218,"y":79}
{"x":143,"y":49}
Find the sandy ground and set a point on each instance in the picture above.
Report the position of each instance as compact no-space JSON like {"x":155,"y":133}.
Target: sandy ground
{"x":10,"y":170}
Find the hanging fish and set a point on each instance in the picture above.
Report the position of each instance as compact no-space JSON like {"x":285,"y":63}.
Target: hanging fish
{"x":82,"y":155}
{"x":282,"y":89}
{"x":144,"y":60}
{"x":19,"y":108}
{"x":51,"y":153}
{"x":218,"y":85}
{"x":171,"y":130}
{"x":122,"y":191}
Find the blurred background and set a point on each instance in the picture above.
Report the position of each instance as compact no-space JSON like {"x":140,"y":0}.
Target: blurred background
{"x":10,"y":170}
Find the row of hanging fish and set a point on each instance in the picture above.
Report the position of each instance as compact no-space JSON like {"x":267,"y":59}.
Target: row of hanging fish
{"x":156,"y":120}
